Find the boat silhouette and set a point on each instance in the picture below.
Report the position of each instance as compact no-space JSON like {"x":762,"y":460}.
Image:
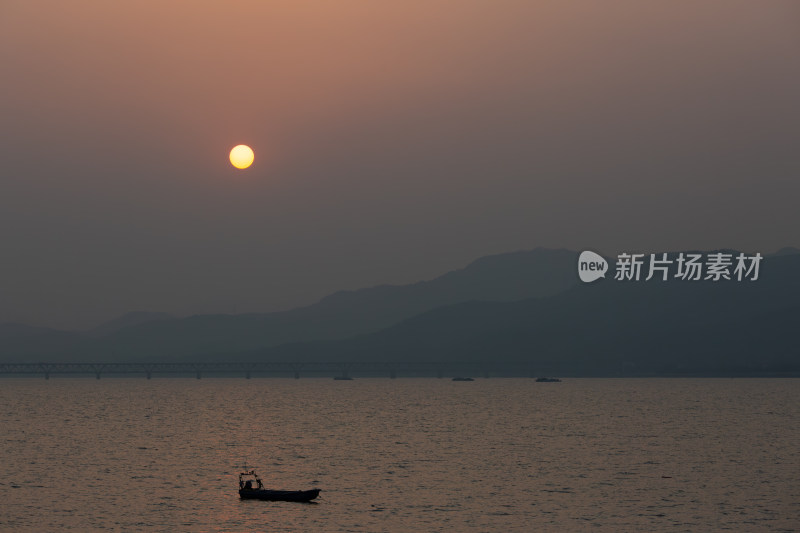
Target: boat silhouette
{"x":252,"y":488}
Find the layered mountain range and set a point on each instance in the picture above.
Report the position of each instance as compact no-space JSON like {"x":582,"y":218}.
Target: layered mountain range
{"x":515,"y":310}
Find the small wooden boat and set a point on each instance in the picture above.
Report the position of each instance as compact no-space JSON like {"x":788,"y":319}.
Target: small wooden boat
{"x":252,"y":488}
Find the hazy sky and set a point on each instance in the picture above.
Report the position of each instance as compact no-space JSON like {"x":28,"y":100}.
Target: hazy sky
{"x":394,"y":141}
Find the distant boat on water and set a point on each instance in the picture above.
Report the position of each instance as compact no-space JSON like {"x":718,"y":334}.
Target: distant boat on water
{"x":548,"y":380}
{"x":463,"y":379}
{"x":252,"y":488}
{"x":343,"y":378}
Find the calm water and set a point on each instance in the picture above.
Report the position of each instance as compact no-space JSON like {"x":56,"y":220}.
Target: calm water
{"x":401,"y":455}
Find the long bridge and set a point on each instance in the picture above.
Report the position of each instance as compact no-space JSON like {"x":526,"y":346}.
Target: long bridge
{"x":341,"y":370}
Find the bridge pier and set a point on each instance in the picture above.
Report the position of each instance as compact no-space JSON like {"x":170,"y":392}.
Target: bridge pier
{"x":296,"y":368}
{"x":97,"y":369}
{"x":46,"y":369}
{"x":345,"y":371}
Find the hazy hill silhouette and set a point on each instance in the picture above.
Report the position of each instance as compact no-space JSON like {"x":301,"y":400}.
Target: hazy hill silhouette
{"x":22,"y":342}
{"x":504,"y":277}
{"x":130,"y":319}
{"x":539,"y":318}
{"x":607,"y":327}
{"x":788,"y":250}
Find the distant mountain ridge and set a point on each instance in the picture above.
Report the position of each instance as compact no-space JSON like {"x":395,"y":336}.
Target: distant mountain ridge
{"x":503,"y":277}
{"x":603,"y":328}
{"x":523,"y":309}
{"x":27,"y":342}
{"x":129,"y":319}
{"x":788,"y":250}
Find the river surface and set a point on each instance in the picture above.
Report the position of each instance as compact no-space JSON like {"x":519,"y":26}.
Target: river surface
{"x":401,"y":455}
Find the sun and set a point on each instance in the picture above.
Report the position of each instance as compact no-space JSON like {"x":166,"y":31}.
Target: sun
{"x":242,"y":156}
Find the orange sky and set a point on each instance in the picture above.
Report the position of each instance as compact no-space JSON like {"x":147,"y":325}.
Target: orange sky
{"x":394,"y":141}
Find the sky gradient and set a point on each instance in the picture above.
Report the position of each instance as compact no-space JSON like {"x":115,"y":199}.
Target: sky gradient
{"x":394,"y":141}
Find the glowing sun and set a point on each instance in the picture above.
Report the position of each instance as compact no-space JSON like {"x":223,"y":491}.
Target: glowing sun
{"x":242,"y":156}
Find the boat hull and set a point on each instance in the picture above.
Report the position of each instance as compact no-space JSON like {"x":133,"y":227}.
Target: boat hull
{"x":279,"y":495}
